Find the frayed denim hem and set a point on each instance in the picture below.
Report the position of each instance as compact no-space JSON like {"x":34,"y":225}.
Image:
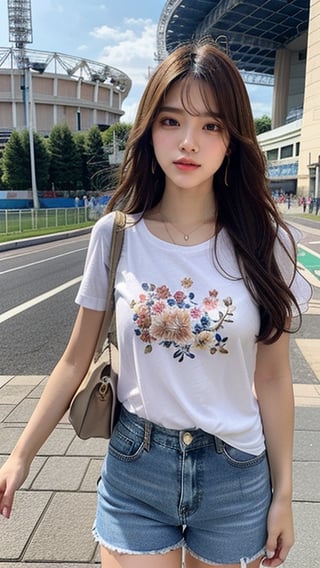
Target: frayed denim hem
{"x":119,"y":550}
{"x":243,"y":561}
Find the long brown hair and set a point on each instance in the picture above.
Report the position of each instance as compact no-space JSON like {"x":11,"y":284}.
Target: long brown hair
{"x":244,"y":207}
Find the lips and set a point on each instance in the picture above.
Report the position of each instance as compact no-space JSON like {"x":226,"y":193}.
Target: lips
{"x":186,"y":165}
{"x":186,"y":162}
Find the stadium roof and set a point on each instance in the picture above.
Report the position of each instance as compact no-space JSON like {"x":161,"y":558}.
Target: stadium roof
{"x":250,"y":30}
{"x":53,"y":62}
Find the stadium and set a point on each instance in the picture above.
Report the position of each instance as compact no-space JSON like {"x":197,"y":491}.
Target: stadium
{"x":273,"y":43}
{"x":64,"y":89}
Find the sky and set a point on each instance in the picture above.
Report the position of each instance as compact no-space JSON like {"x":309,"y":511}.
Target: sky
{"x":121,"y":33}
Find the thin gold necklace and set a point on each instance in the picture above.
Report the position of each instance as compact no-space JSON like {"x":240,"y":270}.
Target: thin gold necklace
{"x":186,"y":236}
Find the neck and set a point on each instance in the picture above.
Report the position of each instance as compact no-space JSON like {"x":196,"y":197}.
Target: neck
{"x":184,"y":224}
{"x":187,"y":212}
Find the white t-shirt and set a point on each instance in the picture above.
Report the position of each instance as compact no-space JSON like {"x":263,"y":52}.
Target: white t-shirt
{"x":186,"y":332}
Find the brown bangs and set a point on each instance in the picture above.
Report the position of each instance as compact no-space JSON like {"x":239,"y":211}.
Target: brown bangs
{"x":208,"y":99}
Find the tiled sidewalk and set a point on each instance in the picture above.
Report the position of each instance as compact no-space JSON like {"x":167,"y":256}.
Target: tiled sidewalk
{"x":53,"y":512}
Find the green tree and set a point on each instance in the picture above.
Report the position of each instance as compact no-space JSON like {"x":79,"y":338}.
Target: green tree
{"x":96,"y":159}
{"x":116,"y":134}
{"x":262,"y":124}
{"x":2,"y":184}
{"x":65,"y":171}
{"x":41,"y":158}
{"x":80,"y":142}
{"x":16,"y":164}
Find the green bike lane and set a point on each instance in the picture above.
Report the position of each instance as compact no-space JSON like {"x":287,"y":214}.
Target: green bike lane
{"x":310,"y":260}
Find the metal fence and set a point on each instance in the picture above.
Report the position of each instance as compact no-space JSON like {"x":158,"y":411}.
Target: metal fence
{"x":22,"y":220}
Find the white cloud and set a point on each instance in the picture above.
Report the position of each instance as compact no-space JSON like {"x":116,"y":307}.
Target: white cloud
{"x":130,"y":50}
{"x":137,"y":22}
{"x":113,"y":34}
{"x":82,"y":47}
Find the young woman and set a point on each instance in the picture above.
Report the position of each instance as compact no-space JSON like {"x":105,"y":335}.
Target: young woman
{"x":207,"y":285}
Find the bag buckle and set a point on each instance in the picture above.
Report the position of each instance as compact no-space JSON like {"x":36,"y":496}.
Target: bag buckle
{"x":103,"y":388}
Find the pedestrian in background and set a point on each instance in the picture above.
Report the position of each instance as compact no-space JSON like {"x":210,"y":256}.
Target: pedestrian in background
{"x":206,"y":288}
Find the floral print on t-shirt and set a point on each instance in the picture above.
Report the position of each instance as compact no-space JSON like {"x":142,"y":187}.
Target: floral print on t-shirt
{"x":178,"y":321}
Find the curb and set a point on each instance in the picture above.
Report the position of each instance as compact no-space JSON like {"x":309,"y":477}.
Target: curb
{"x":21,"y":243}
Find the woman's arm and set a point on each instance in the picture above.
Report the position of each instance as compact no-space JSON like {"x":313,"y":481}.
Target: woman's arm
{"x":273,"y":385}
{"x":62,"y":384}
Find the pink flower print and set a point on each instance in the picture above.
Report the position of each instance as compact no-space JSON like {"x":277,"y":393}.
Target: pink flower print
{"x":179,"y":296}
{"x":158,"y":307}
{"x":144,"y":319}
{"x":163,"y":292}
{"x":172,"y":325}
{"x":145,"y":336}
{"x":210,"y":303}
{"x":195,"y":313}
{"x":178,"y":322}
{"x":186,"y":282}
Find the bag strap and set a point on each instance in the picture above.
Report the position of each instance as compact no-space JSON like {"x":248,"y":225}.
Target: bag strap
{"x":115,"y":252}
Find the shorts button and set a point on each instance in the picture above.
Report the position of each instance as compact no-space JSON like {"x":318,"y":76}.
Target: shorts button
{"x":187,"y":438}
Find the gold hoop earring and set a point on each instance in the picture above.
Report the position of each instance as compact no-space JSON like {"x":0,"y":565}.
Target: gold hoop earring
{"x":153,"y":165}
{"x":226,"y":172}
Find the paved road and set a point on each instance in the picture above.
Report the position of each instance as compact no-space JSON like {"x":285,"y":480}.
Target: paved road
{"x":37,"y":289}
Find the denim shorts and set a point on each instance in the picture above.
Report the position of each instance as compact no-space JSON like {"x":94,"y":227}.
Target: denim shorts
{"x":163,"y":489}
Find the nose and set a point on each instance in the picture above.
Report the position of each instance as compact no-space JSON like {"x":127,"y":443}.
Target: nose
{"x":188,"y":142}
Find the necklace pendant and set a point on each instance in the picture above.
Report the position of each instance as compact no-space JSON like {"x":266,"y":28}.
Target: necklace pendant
{"x":186,"y":237}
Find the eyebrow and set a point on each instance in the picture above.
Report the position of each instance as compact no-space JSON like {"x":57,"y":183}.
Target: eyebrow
{"x":182,"y":111}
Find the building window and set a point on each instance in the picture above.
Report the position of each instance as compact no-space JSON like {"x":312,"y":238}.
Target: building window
{"x":286,"y":152}
{"x":297,"y":148}
{"x":272,"y":154}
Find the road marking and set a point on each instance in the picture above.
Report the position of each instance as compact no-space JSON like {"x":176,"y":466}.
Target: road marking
{"x":310,"y":251}
{"x":41,"y":261}
{"x":314,"y":242}
{"x":38,"y":299}
{"x":310,"y":261}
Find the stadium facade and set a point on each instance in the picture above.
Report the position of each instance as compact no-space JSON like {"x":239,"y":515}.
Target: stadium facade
{"x":58,"y":88}
{"x":275,"y":43}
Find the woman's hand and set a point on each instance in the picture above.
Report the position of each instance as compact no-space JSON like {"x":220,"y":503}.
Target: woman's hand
{"x":280,"y":532}
{"x":12,"y":475}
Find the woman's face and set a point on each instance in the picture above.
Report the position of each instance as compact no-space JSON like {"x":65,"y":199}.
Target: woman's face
{"x":189,"y":146}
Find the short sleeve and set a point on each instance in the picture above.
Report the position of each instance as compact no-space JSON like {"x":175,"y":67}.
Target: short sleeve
{"x":93,"y":288}
{"x":298,"y":284}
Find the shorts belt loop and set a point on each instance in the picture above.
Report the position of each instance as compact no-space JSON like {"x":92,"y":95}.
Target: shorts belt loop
{"x":219,"y":445}
{"x":147,"y":435}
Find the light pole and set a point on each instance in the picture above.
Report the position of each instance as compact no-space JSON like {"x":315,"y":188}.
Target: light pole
{"x":29,"y":114}
{"x":35,"y":197}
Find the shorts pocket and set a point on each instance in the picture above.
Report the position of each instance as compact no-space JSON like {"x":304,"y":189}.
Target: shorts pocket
{"x":238,"y":458}
{"x":126,"y":445}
